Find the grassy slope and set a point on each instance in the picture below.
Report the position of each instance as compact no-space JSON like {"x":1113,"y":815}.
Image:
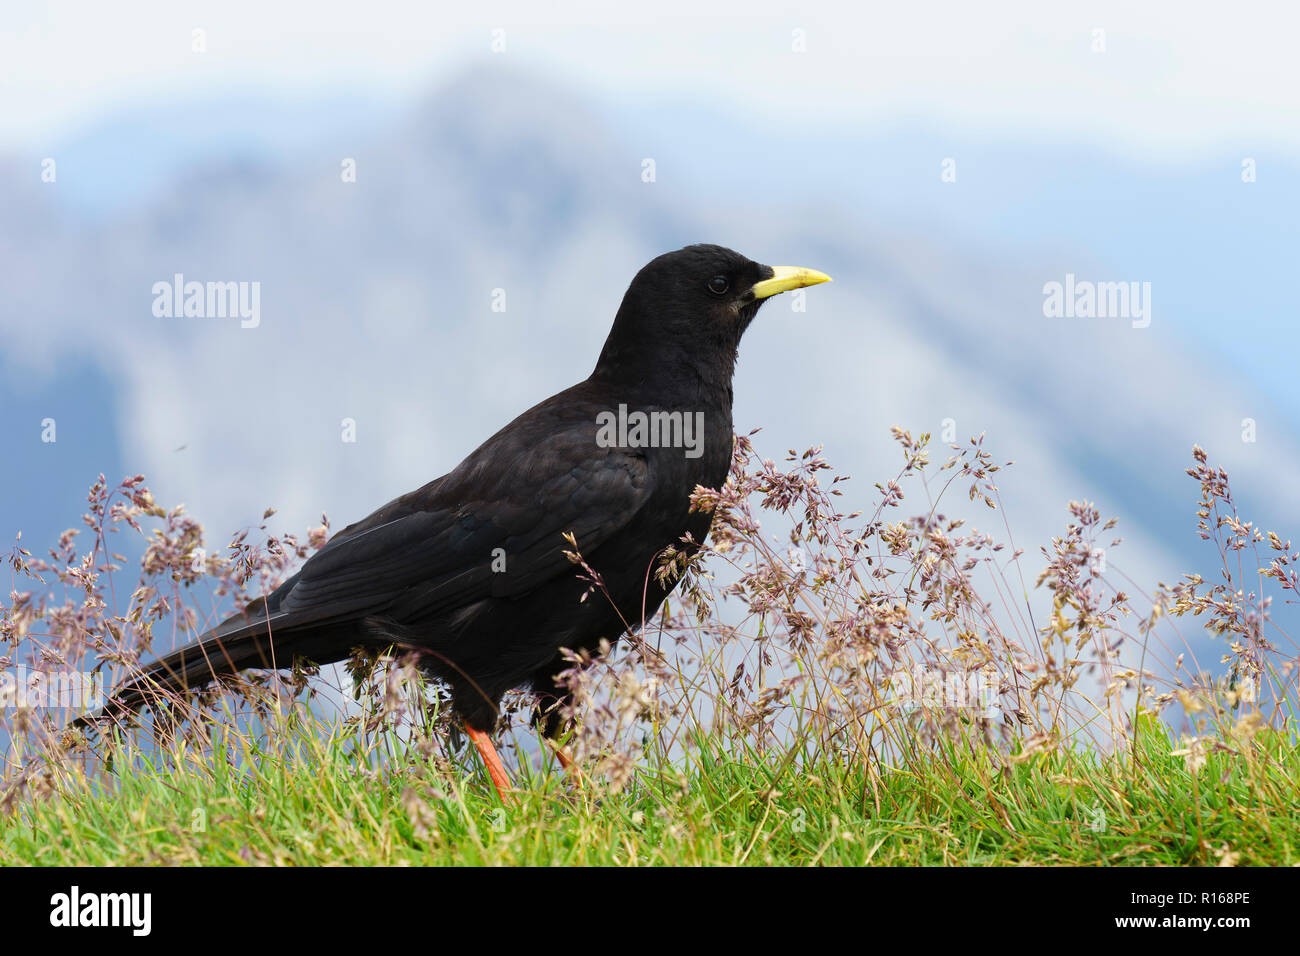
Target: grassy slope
{"x":315,"y":802}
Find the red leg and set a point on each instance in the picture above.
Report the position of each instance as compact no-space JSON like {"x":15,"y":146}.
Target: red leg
{"x":496,"y":770}
{"x":562,"y":753}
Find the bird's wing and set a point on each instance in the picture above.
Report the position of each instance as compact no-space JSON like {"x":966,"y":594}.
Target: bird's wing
{"x":493,"y":527}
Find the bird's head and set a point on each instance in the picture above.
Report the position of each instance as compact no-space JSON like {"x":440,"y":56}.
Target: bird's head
{"x":693,"y":306}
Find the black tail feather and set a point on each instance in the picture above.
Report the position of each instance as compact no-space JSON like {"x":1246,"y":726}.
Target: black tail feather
{"x":238,"y":644}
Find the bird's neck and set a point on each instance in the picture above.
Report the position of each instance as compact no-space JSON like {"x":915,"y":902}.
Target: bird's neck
{"x":670,"y":377}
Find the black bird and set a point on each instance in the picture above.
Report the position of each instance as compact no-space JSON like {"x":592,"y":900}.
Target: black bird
{"x":470,"y":570}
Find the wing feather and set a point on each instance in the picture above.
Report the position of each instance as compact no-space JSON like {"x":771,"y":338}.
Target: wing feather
{"x":436,"y":548}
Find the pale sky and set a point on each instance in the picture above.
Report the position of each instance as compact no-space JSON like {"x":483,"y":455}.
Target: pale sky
{"x":1174,"y":77}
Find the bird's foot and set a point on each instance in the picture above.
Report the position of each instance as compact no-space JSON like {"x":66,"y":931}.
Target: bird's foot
{"x":566,"y":761}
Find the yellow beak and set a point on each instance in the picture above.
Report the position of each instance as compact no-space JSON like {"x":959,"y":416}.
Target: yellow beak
{"x":785,"y":278}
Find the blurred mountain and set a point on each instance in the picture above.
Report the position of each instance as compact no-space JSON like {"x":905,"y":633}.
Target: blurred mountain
{"x":377,"y":306}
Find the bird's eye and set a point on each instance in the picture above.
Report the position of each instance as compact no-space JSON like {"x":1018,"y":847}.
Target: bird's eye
{"x":719,"y":285}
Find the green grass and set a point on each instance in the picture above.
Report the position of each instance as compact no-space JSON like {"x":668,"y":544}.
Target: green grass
{"x":322,"y":796}
{"x":875,"y":648}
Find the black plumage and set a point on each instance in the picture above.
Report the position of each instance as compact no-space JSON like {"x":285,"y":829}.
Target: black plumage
{"x":425,"y":572}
